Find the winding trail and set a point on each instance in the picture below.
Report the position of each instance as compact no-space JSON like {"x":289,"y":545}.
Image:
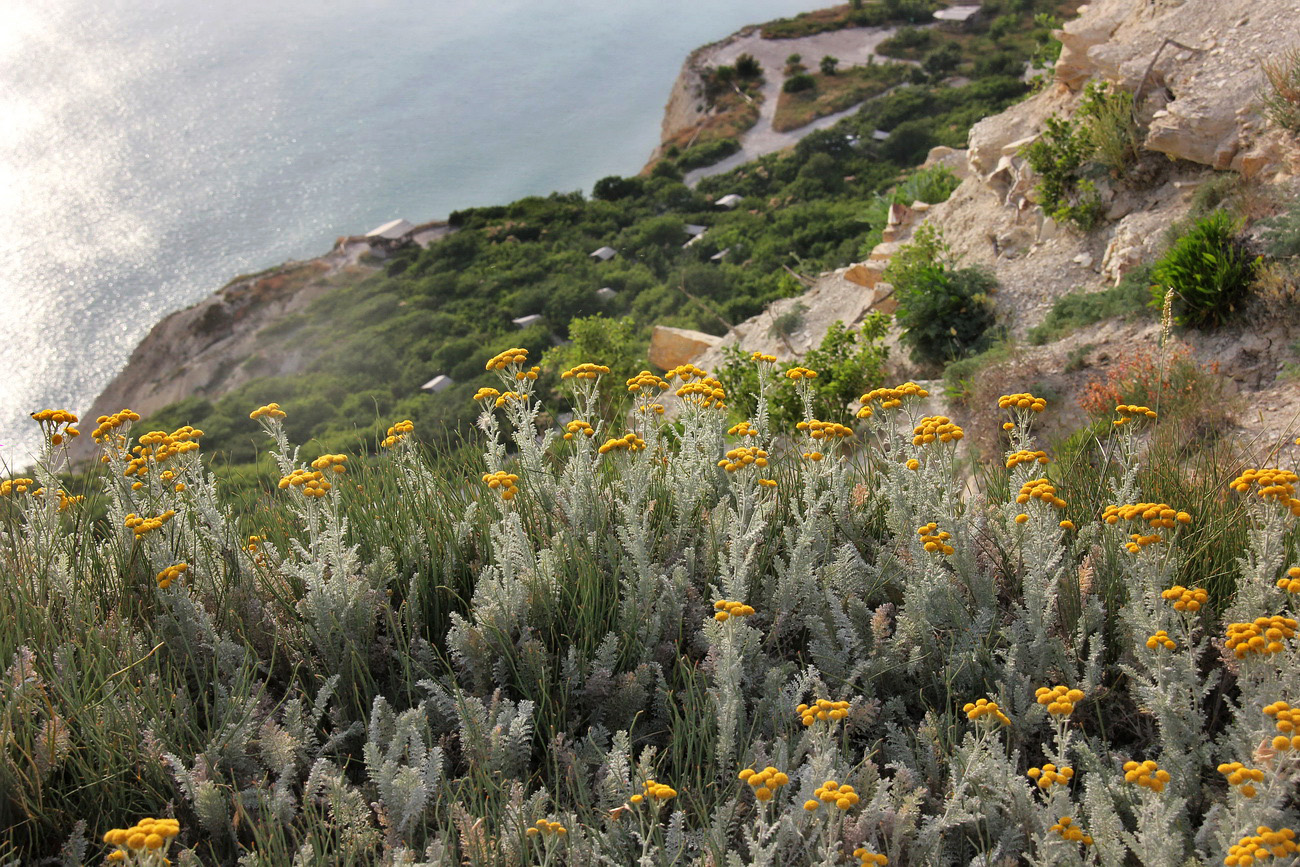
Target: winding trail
{"x":854,"y":46}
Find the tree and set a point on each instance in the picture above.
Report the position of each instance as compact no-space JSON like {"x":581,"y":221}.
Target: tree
{"x":829,"y":64}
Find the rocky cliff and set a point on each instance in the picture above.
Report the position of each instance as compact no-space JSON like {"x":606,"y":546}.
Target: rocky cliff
{"x":1195,"y":67}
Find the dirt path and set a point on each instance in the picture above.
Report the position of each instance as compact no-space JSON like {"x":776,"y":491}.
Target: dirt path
{"x":853,"y":47}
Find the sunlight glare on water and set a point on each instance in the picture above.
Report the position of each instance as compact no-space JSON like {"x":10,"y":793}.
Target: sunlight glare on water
{"x":150,"y":150}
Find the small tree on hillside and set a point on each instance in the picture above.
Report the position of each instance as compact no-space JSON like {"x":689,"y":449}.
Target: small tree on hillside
{"x":829,"y":64}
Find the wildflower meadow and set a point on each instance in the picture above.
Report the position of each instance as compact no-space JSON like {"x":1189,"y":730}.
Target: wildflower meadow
{"x":671,"y":638}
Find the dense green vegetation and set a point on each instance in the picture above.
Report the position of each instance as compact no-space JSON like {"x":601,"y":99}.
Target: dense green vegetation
{"x":436,"y":310}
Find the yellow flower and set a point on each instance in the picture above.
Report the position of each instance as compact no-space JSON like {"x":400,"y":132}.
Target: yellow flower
{"x":333,"y":463}
{"x":143,"y":526}
{"x":148,"y":838}
{"x":985,"y":710}
{"x":644,"y":382}
{"x":725,"y":609}
{"x":822,"y":710}
{"x":1146,"y":774}
{"x":105,"y":424}
{"x":503,"y":483}
{"x":1070,"y":832}
{"x":758,"y":356}
{"x":627,"y":442}
{"x":1262,"y":636}
{"x":1133,"y":413}
{"x":502,"y":360}
{"x":867,"y":858}
{"x":798,"y":373}
{"x":1024,"y":456}
{"x":1039,"y":489}
{"x":547,"y":829}
{"x":1058,"y":700}
{"x":935,"y":540}
{"x":1271,"y":485}
{"x":270,"y":410}
{"x":1184,"y":599}
{"x":891,"y":398}
{"x":744,"y":456}
{"x":1241,"y":778}
{"x":1048,"y":775}
{"x":1265,"y":842}
{"x":743,"y":429}
{"x":397,"y":433}
{"x":1291,"y":582}
{"x":1161,"y":639}
{"x":1024,"y":401}
{"x":655,"y":792}
{"x":585,"y":371}
{"x":170,"y":574}
{"x":831,"y":792}
{"x":764,"y":782}
{"x":937,"y":427}
{"x":311,"y":484}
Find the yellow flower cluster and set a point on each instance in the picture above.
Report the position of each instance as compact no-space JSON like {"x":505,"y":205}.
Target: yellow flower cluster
{"x":147,"y":837}
{"x":743,"y":429}
{"x":1039,"y":489}
{"x":866,"y":857}
{"x":1291,"y":582}
{"x":159,"y":446}
{"x":767,"y":483}
{"x":1286,"y":719}
{"x":397,"y":433}
{"x":935,"y":540}
{"x":1058,"y":700}
{"x":51,"y":420}
{"x":170,"y":574}
{"x":107,"y":423}
{"x":253,"y":547}
{"x":312,"y":484}
{"x":1048,"y":776}
{"x":890,"y":398}
{"x":1264,"y":843}
{"x":506,"y":397}
{"x":271,"y":410}
{"x":1162,"y":639}
{"x":797,"y":373}
{"x":645,"y":380}
{"x":545,"y":828}
{"x":486,"y":394}
{"x":981,"y":708}
{"x":1024,"y":456}
{"x":1022,"y":401}
{"x":144,"y":526}
{"x":1264,"y":635}
{"x":530,"y":374}
{"x":1185,"y":599}
{"x":15,"y":486}
{"x":656,"y":408}
{"x":1146,"y":774}
{"x":65,"y":500}
{"x":822,"y":710}
{"x":686,"y":372}
{"x":843,"y":797}
{"x":743,"y":456}
{"x":758,"y":356}
{"x":1275,"y":485}
{"x":707,"y":393}
{"x":827,"y":430}
{"x":1070,"y":832}
{"x":628,"y":441}
{"x":336,"y":463}
{"x":585,"y":371}
{"x":503,"y":482}
{"x":1131,"y":413}
{"x":936,"y":427}
{"x":725,"y":609}
{"x":1159,"y":516}
{"x":502,"y":360}
{"x":655,"y":792}
{"x":577,"y":427}
{"x":1242,"y":778}
{"x":764,"y":782}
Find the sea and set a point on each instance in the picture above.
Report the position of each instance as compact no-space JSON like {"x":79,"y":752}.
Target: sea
{"x":151,"y":150}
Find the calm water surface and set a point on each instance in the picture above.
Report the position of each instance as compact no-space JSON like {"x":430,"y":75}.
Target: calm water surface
{"x":152,"y":149}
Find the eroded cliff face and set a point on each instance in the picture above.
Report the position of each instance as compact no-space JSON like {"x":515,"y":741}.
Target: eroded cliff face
{"x":1195,"y":66}
{"x":243,"y":331}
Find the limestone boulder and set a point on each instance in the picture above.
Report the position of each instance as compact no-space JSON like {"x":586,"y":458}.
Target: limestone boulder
{"x":672,"y":347}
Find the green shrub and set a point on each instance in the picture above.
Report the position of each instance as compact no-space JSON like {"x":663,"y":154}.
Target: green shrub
{"x":1078,"y":308}
{"x":1056,"y":157}
{"x":1282,"y":233}
{"x":1282,"y":98}
{"x":1107,"y":116}
{"x":748,"y":67}
{"x":707,"y":153}
{"x":1208,"y":269}
{"x":799,"y":82}
{"x":945,"y":310}
{"x":932,"y":186}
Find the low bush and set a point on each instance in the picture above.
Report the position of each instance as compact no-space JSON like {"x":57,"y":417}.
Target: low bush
{"x":1106,"y":114}
{"x":1130,"y":298}
{"x":1057,"y":157}
{"x":1282,"y":96}
{"x":945,"y":311}
{"x":707,"y":153}
{"x":1208,"y":269}
{"x":799,"y":82}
